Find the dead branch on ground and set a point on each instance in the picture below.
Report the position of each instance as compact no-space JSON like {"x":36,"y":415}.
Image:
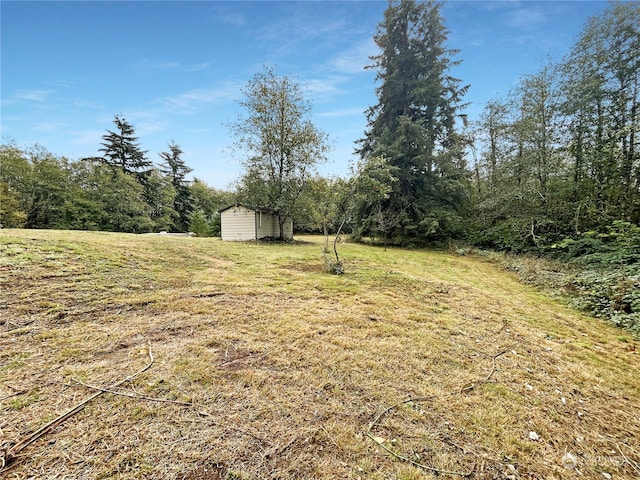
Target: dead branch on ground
{"x":8,"y":456}
{"x":465,"y":389}
{"x":132,"y":395}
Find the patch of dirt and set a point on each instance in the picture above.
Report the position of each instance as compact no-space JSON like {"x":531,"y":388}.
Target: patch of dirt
{"x":209,"y":471}
{"x":234,"y":359}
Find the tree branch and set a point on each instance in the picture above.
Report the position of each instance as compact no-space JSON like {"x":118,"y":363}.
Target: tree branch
{"x":10,"y":455}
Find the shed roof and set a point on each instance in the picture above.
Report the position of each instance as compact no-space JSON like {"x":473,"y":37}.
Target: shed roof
{"x":255,"y":209}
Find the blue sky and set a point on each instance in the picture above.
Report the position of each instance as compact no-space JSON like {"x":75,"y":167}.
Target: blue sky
{"x":175,"y":70}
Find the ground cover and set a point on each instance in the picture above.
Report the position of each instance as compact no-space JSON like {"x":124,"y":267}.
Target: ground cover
{"x":244,"y":360}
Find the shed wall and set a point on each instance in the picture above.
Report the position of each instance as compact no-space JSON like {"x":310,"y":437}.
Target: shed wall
{"x":266,"y":225}
{"x":238,"y":223}
{"x":241,"y":223}
{"x":287,"y":228}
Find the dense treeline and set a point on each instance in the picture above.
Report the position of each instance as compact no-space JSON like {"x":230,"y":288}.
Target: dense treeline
{"x":561,"y":156}
{"x":122,"y":190}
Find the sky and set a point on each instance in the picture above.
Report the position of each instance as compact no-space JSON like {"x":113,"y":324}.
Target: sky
{"x":176,"y":70}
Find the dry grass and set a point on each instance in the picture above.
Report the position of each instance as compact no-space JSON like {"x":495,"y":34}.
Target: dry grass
{"x":292,"y":373}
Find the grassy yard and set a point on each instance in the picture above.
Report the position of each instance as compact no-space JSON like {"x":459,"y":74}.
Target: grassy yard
{"x":247,"y":361}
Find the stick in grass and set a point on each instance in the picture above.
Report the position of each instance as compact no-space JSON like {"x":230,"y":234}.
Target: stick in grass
{"x":422,"y":399}
{"x":9,"y":455}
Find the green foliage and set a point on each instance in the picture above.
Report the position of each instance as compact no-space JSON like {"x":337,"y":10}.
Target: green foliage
{"x":176,"y":170}
{"x":15,"y":177}
{"x":159,"y":196}
{"x":414,"y":130}
{"x":208,"y":199}
{"x":560,"y":155}
{"x":282,"y":145}
{"x":325,"y":206}
{"x":10,"y":214}
{"x":40,"y":190}
{"x":121,"y":151}
{"x":203,"y":226}
{"x":611,"y":294}
{"x":198,"y":224}
{"x":609,"y":285}
{"x":599,"y":271}
{"x":617,"y":245}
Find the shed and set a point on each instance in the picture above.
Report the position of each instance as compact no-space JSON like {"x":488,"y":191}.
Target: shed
{"x":242,"y":222}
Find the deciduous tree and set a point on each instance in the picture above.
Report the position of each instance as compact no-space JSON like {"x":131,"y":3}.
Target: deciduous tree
{"x":282,"y":144}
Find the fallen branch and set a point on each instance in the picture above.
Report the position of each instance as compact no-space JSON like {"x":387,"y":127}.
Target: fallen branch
{"x":468,"y":388}
{"x":132,"y":395}
{"x":633,"y":464}
{"x":417,"y":464}
{"x":186,"y":404}
{"x":9,"y":455}
{"x":20,"y":392}
{"x":205,"y":414}
{"x":402,"y":457}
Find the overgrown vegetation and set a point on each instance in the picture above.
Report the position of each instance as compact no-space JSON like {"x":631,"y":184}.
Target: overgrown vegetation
{"x":264,"y":366}
{"x":560,"y":156}
{"x":41,"y":190}
{"x":608,"y":284}
{"x":598,"y":272}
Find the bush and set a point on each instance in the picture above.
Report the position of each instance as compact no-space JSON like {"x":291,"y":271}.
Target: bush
{"x":333,"y":266}
{"x":598,"y":271}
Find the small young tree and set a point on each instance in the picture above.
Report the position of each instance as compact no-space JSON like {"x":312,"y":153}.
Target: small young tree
{"x":199,"y":224}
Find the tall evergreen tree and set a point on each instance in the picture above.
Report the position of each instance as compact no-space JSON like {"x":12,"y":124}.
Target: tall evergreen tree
{"x":177,"y":170}
{"x":121,"y":151}
{"x":413,"y":126}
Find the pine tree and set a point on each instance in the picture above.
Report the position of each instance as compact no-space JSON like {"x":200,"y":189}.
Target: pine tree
{"x":177,"y":170}
{"x":121,"y":150}
{"x":413,"y":126}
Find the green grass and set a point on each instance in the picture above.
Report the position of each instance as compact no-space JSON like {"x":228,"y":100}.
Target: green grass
{"x":449,"y":359}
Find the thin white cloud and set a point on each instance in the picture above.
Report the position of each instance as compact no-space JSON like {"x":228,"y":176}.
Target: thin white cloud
{"x":193,"y":100}
{"x":342,"y":113}
{"x":171,"y":65}
{"x":87,"y":137}
{"x":196,"y":67}
{"x":235,"y":19}
{"x":322,"y":87}
{"x":353,"y":60}
{"x":226,"y":14}
{"x":491,"y":6}
{"x":300,"y":29}
{"x":157,"y":64}
{"x":526,"y":18}
{"x":50,"y":126}
{"x":37,"y":95}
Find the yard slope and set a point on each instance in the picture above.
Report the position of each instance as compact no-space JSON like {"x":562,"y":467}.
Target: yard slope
{"x":413,"y":363}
